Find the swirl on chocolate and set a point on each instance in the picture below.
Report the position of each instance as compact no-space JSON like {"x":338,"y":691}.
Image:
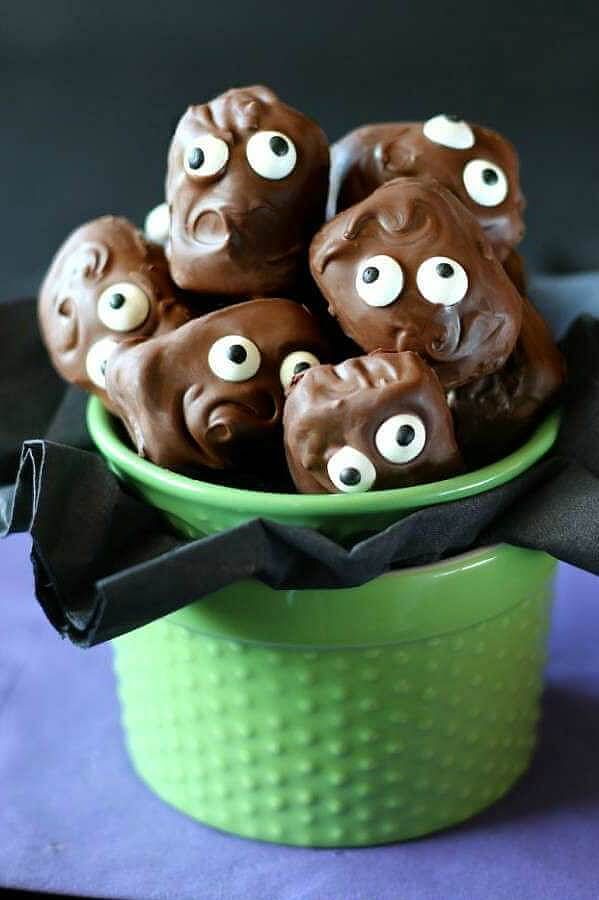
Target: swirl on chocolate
{"x":409,"y":268}
{"x":476,"y":164}
{"x":246,"y":186}
{"x":105,"y":284}
{"x":211,"y":393}
{"x":370,"y":423}
{"x":494,"y":414}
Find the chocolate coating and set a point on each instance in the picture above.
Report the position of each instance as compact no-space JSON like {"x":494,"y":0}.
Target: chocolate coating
{"x":410,"y":221}
{"x":189,"y":398}
{"x":370,"y":156}
{"x":516,"y":270}
{"x":493,"y":415}
{"x":75,"y":294}
{"x":333,"y":408}
{"x":244,"y":229}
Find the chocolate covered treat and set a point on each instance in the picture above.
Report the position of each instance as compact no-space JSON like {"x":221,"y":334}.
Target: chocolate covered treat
{"x":476,"y":164}
{"x":516,"y":269}
{"x":211,"y":394}
{"x":410,"y":268}
{"x":494,"y":414}
{"x":375,"y":422}
{"x":105,"y":284}
{"x":246,"y":186}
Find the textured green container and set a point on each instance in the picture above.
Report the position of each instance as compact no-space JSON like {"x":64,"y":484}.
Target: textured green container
{"x":342,"y":717}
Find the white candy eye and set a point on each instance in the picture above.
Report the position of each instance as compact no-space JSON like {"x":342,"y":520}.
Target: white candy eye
{"x":401,"y":438}
{"x":123,"y":306}
{"x":234,"y":358}
{"x":295,"y":363}
{"x":379,"y":280}
{"x":442,"y":280}
{"x":96,"y":359}
{"x":449,"y":131}
{"x":157,"y":224}
{"x":271,"y":154}
{"x":351,"y":471}
{"x":485,"y":182}
{"x":206,"y":156}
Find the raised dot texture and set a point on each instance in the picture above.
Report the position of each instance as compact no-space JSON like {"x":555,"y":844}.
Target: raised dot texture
{"x":393,"y":776}
{"x":340,"y":747}
{"x":338,"y":778}
{"x":337,"y":748}
{"x":393,"y":747}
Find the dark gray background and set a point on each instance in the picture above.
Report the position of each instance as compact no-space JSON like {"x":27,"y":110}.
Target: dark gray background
{"x":90,"y":92}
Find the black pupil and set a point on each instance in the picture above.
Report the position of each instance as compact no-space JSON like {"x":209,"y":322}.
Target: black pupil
{"x":237,"y":353}
{"x":453,"y":117}
{"x":490,"y":176}
{"x":444,"y":270}
{"x":405,"y":435}
{"x":196,"y":158}
{"x":103,"y":365}
{"x":279,"y":145}
{"x":300,"y":367}
{"x":117,"y":300}
{"x":370,"y":274}
{"x":350,"y":476}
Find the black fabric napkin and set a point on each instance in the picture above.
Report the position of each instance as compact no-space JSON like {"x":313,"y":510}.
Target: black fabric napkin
{"x":105,"y":563}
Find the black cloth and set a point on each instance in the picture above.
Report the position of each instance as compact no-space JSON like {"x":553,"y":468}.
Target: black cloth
{"x":105,"y":563}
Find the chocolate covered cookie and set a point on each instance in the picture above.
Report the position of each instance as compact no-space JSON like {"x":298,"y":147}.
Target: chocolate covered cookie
{"x":516,"y":270}
{"x":493,"y":415}
{"x":105,"y":284}
{"x":211,"y":393}
{"x":410,"y":268}
{"x":476,"y":164}
{"x":246,"y":187}
{"x":375,"y":422}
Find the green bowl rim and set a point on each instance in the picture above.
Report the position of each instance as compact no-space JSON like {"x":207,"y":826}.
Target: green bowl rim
{"x":102,"y":431}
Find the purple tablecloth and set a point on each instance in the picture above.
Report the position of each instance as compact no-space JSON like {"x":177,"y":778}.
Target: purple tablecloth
{"x":75,"y":819}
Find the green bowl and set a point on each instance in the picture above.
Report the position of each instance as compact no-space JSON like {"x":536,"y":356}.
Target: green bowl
{"x":200,"y":508}
{"x":337,"y":717}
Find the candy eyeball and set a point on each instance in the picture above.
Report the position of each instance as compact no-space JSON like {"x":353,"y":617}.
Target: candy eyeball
{"x":205,"y":156}
{"x":379,"y":280}
{"x":295,"y":363}
{"x":351,"y":471}
{"x":449,"y":131}
{"x":157,"y":224}
{"x":401,"y":438}
{"x":234,"y":358}
{"x":271,"y":154}
{"x":97,"y":359}
{"x":123,"y":306}
{"x":485,"y":182}
{"x":442,"y":280}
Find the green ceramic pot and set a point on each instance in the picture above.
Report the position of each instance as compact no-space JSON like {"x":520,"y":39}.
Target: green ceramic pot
{"x":341,"y":717}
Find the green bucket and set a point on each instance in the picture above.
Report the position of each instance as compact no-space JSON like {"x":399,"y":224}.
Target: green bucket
{"x":337,"y":717}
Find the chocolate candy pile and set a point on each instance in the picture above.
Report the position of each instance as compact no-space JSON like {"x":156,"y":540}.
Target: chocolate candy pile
{"x":216,"y":351}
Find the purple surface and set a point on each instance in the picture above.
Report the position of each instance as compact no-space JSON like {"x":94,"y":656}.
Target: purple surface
{"x":74,"y":818}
